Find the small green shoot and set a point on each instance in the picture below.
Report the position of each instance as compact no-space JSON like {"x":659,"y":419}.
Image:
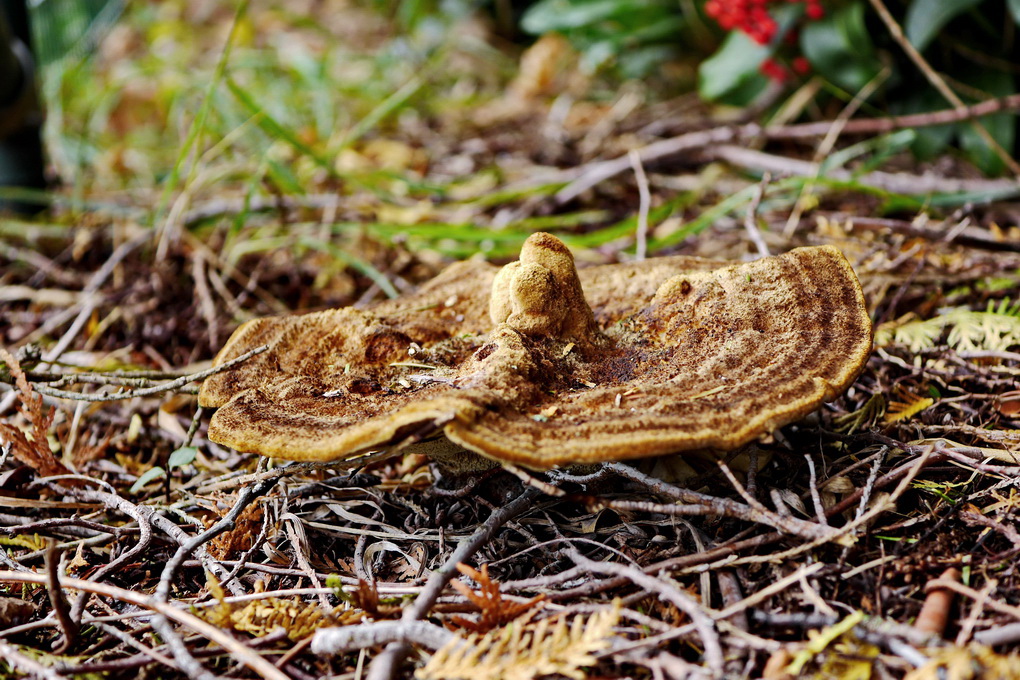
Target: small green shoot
{"x":179,"y":458}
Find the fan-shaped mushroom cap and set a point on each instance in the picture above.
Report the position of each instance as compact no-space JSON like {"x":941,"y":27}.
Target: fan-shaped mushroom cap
{"x":669,"y":355}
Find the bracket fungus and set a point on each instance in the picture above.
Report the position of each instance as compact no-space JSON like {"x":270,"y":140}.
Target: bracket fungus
{"x":542,"y":365}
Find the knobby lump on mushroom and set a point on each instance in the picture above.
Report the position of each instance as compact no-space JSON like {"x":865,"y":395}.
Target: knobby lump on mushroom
{"x":542,"y":365}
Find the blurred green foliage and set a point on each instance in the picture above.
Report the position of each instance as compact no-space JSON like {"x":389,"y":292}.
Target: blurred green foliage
{"x":67,"y":28}
{"x":635,"y":36}
{"x":971,"y":43}
{"x":398,"y":120}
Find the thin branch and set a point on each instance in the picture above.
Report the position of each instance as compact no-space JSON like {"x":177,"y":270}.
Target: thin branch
{"x":588,"y":176}
{"x":596,"y":173}
{"x":239,"y":651}
{"x":296,"y":468}
{"x":971,"y":593}
{"x":939,"y":83}
{"x":185,"y":661}
{"x":751,"y":217}
{"x":816,"y":499}
{"x":57,"y":523}
{"x":721,"y":507}
{"x":876,"y":126}
{"x":702,"y":622}
{"x":350,"y":638}
{"x":895,"y":182}
{"x":140,"y":513}
{"x":156,"y":389}
{"x":851,"y":527}
{"x":68,"y":625}
{"x":644,"y":203}
{"x":384,"y":666}
{"x":226,"y":523}
{"x":146,"y":653}
{"x":90,"y":296}
{"x":755,"y":599}
{"x":206,"y":304}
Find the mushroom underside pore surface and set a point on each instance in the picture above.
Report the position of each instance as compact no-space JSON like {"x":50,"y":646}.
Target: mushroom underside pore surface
{"x":541,"y":365}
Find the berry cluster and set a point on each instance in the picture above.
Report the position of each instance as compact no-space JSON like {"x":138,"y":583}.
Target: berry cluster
{"x":752,"y":18}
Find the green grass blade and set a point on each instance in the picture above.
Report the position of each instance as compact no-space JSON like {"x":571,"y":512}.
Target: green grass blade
{"x":198,"y":125}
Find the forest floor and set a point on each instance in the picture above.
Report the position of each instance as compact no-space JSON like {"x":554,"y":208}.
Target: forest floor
{"x":202,"y":187}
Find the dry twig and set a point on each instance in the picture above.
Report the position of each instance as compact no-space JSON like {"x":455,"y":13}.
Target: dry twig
{"x":385,"y":665}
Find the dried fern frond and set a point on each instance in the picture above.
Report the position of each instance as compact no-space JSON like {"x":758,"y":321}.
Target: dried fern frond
{"x":967,"y":663}
{"x":494,"y":611}
{"x":820,"y":641}
{"x":300,"y":619}
{"x":872,"y":410}
{"x":33,"y":542}
{"x":365,"y":598}
{"x":33,"y":450}
{"x":522,"y":651}
{"x":906,"y":407}
{"x":260,"y":617}
{"x":997,"y":328}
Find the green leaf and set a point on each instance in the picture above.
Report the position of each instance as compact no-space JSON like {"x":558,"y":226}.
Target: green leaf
{"x":731,"y":74}
{"x":181,"y":457}
{"x":611,"y":33}
{"x":559,"y":15}
{"x":882,"y":147}
{"x":273,"y":127}
{"x":597,"y":55}
{"x":931,"y":140}
{"x":284,"y":178}
{"x":840,"y":48}
{"x":1001,"y":126}
{"x":335,"y":582}
{"x":150,"y":475}
{"x":635,"y":63}
{"x":351,"y":260}
{"x":1014,"y":8}
{"x":925,"y":18}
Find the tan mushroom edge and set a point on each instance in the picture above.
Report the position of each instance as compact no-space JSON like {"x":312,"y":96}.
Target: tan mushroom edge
{"x":542,"y":366}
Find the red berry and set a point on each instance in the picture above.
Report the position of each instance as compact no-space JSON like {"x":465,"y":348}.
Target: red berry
{"x":752,"y":17}
{"x":774,"y":70}
{"x":800,"y":65}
